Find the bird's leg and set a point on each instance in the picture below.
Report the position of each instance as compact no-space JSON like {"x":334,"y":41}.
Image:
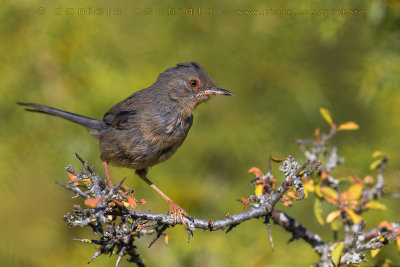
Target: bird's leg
{"x":105,"y":165}
{"x":174,"y":209}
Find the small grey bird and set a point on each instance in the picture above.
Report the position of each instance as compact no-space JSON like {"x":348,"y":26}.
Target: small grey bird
{"x":148,"y":127}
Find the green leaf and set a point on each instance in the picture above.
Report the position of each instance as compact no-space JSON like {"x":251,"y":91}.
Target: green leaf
{"x":336,"y":252}
{"x":318,"y":211}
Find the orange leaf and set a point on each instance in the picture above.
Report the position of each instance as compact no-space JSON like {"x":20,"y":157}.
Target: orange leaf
{"x":92,"y":202}
{"x":317,"y":135}
{"x":348,"y":126}
{"x":324,"y":175}
{"x":245,"y":201}
{"x":331,"y":216}
{"x":291,"y":194}
{"x":286,"y":201}
{"x":72,"y":177}
{"x":142,"y":201}
{"x":386,"y":224}
{"x":131,"y":201}
{"x":256,"y":171}
{"x":277,"y":159}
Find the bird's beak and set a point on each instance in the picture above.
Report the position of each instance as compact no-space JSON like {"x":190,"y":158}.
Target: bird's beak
{"x":216,"y":91}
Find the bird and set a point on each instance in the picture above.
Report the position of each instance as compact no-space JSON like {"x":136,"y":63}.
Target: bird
{"x":150,"y":125}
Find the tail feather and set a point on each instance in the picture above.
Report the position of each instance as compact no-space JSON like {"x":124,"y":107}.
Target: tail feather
{"x":82,"y":120}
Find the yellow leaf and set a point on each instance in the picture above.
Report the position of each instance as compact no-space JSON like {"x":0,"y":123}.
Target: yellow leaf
{"x":331,"y":216}
{"x":377,"y":153}
{"x":329,"y":192}
{"x":318,"y":191}
{"x":375,"y":252}
{"x":336,"y":252}
{"x":375,"y":164}
{"x":376,"y":205}
{"x":398,"y":242}
{"x":259,"y":190}
{"x":327,"y":115}
{"x":309,"y":186}
{"x":348,"y":126}
{"x":318,"y":211}
{"x":353,"y":193}
{"x":354,"y":216}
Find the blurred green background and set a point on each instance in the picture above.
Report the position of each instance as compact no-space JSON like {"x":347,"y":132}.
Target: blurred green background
{"x":282,"y":68}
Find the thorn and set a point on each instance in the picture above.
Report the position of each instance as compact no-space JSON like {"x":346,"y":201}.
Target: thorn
{"x":267,"y":222}
{"x":230,"y":228}
{"x":80,"y":159}
{"x":269,"y":164}
{"x":190,"y":233}
{"x":119,"y":256}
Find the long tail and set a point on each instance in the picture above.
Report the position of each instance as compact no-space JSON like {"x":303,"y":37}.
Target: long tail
{"x":82,"y":120}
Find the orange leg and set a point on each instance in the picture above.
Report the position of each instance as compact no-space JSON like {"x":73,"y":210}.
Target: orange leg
{"x":105,"y":165}
{"x":174,"y":209}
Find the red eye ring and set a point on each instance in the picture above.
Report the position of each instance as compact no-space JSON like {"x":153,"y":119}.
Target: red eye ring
{"x":194,"y":83}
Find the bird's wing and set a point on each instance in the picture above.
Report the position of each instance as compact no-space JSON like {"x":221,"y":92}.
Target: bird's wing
{"x":123,"y":115}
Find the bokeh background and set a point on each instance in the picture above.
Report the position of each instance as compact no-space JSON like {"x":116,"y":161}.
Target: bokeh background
{"x":282,"y":68}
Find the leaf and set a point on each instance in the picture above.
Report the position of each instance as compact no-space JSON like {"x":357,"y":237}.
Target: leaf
{"x":327,"y":115}
{"x":354,"y":216}
{"x":318,"y":211}
{"x":329,"y":192}
{"x":377,"y":153}
{"x":318,"y":190}
{"x":335,"y":225}
{"x":386,"y":224}
{"x":348,"y":126}
{"x":333,"y":215}
{"x":376,"y":205}
{"x":92,"y":202}
{"x":317,"y":135}
{"x":398,"y":242}
{"x":375,"y":164}
{"x":131,"y":201}
{"x":336,"y":252}
{"x":277,"y":159}
{"x":375,"y":252}
{"x":256,"y":171}
{"x":353,"y":193}
{"x":291,"y":194}
{"x":259,"y":190}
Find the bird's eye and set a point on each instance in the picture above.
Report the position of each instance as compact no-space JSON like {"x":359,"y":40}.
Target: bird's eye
{"x":194,"y":83}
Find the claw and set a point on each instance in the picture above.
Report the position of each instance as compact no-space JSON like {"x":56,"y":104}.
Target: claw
{"x":178,"y":212}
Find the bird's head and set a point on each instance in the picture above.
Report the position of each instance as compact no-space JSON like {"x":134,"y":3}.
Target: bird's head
{"x":189,"y":85}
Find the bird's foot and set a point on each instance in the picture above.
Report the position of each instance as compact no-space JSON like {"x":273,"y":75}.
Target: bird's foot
{"x":178,"y":213}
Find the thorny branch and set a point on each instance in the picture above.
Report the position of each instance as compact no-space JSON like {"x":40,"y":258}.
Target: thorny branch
{"x":112,"y":214}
